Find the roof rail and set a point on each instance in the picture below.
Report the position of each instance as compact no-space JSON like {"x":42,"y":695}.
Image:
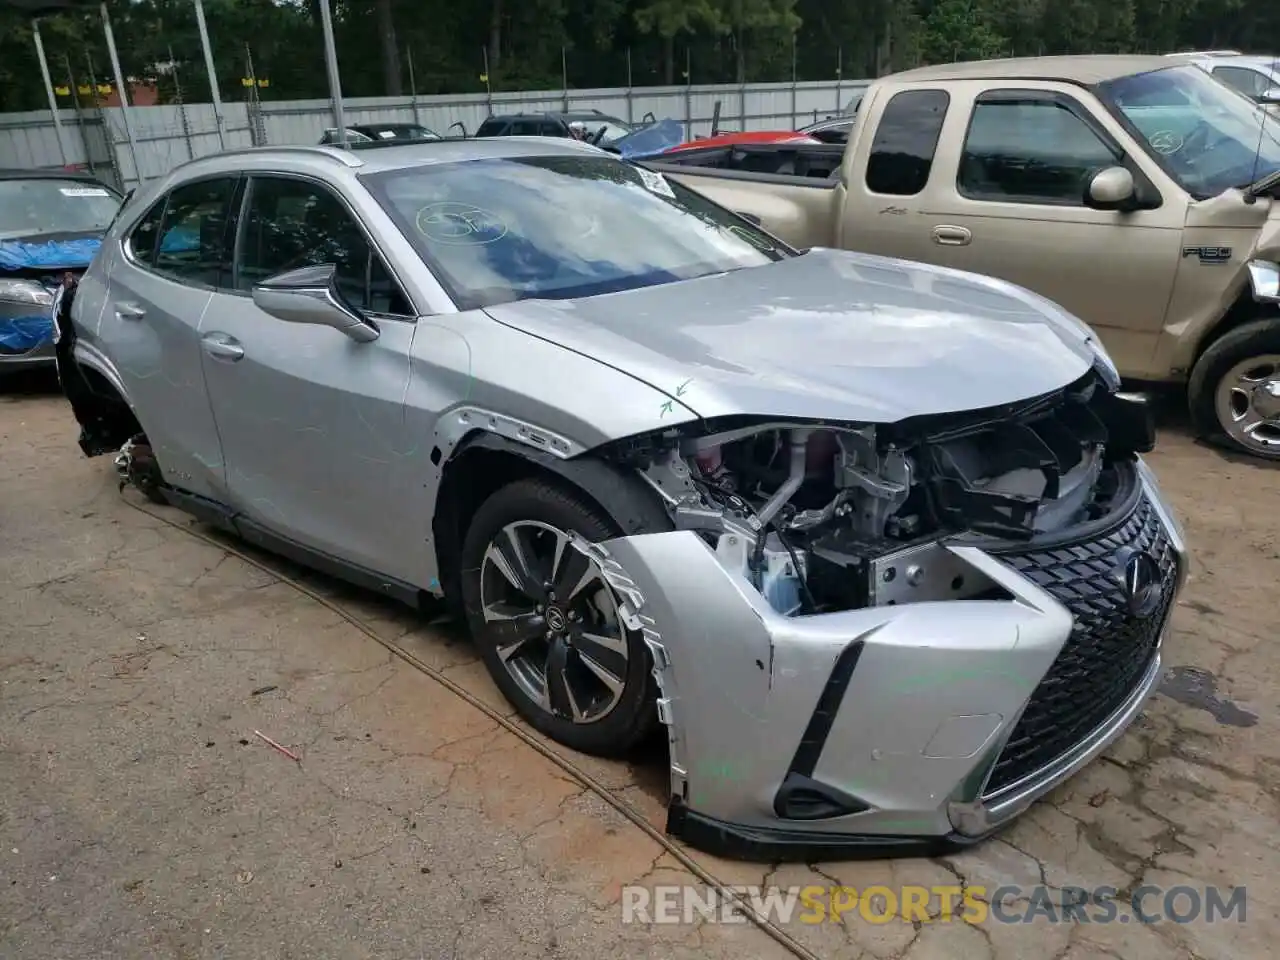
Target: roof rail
{"x":345,"y":157}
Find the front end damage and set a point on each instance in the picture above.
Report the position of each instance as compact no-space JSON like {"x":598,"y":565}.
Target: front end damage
{"x":891,"y":639}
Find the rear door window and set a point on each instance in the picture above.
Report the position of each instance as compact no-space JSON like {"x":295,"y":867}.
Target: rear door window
{"x":905,"y":141}
{"x":194,"y":245}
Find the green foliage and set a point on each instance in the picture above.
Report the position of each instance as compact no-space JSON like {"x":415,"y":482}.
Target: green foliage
{"x":445,"y":42}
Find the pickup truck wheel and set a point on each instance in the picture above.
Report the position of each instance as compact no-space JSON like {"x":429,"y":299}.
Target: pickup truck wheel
{"x":547,"y":623}
{"x":1234,"y":390}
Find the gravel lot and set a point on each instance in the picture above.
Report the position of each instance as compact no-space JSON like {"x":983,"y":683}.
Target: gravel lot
{"x":140,"y":815}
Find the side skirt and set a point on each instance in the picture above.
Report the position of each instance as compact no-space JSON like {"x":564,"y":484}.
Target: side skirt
{"x":224,"y":518}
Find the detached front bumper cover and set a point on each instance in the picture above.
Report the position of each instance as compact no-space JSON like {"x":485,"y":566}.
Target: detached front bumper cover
{"x":897,"y":730}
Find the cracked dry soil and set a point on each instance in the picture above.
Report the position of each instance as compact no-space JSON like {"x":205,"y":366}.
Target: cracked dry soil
{"x":140,"y":816}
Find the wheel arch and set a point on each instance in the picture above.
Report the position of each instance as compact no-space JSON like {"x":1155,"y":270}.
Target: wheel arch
{"x":483,"y":462}
{"x":1244,"y":309}
{"x":97,"y":397}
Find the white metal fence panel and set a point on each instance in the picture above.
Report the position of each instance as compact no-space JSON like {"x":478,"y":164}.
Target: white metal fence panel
{"x":166,"y":136}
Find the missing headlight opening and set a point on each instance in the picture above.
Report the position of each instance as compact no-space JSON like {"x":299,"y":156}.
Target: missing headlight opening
{"x":821,"y":516}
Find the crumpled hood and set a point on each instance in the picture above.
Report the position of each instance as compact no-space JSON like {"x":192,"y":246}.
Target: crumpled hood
{"x":830,"y":334}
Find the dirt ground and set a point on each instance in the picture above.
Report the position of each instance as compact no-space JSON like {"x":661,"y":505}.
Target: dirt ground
{"x":141,"y":815}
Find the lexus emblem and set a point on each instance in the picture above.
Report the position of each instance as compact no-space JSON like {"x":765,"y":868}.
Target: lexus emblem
{"x":1142,"y":583}
{"x":555,"y":619}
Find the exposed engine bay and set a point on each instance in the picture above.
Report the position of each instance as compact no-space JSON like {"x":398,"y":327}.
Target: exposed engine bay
{"x":821,"y":516}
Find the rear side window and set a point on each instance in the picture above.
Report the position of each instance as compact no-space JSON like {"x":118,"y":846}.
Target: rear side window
{"x":905,"y":142}
{"x":492,"y":128}
{"x":142,"y":240}
{"x":525,"y":128}
{"x":194,"y":244}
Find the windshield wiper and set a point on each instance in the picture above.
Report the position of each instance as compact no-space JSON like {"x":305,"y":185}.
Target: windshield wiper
{"x":1262,"y":185}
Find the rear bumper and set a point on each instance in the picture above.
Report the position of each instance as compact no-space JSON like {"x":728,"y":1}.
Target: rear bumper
{"x":900,"y":730}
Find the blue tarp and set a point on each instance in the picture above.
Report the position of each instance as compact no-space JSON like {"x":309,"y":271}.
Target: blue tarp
{"x":651,"y":140}
{"x":54,"y":255}
{"x":20,"y":334}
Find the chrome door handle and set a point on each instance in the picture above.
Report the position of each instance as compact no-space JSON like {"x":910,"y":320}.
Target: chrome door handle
{"x":220,"y":346}
{"x":129,"y":311}
{"x":950,"y":236}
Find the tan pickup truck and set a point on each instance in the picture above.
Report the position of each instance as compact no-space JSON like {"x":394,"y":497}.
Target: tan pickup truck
{"x":1140,"y":194}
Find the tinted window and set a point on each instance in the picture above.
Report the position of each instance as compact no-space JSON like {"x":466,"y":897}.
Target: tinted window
{"x":494,"y":231}
{"x":142,"y":241}
{"x":904,"y":144}
{"x":294,"y":223}
{"x":194,"y":244}
{"x":41,"y":208}
{"x":525,"y":128}
{"x":492,"y":128}
{"x":549,"y":128}
{"x":1249,"y":82}
{"x":1033,"y":151}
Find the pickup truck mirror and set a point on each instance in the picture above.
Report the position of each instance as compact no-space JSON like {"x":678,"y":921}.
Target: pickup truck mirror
{"x":1111,"y":189}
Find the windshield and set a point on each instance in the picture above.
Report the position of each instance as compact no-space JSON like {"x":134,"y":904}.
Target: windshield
{"x":400,"y":132}
{"x":47,"y":207}
{"x":1206,"y":135}
{"x":494,"y":231}
{"x":613,"y":129}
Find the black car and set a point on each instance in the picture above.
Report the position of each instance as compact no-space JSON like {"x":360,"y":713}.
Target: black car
{"x":381,"y":133}
{"x":51,"y":224}
{"x":557,"y":125}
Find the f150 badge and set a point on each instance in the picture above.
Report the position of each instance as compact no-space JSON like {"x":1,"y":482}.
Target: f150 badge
{"x":1208,"y":254}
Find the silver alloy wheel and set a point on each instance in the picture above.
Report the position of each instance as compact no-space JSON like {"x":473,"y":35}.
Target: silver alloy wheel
{"x":1247,"y":403}
{"x":554,"y":621}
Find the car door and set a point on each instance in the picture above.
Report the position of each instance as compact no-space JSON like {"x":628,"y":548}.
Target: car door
{"x":312,"y":422}
{"x":158,"y":290}
{"x":1013,"y":206}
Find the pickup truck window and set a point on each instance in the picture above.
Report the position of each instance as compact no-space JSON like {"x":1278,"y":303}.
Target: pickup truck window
{"x":1032,"y":150}
{"x":905,"y":141}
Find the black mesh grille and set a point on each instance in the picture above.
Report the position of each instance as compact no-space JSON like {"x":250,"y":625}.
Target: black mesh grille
{"x":1108,"y":650}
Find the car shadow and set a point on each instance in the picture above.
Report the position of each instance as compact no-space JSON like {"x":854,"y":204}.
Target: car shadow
{"x":436,"y":638}
{"x":16,"y":384}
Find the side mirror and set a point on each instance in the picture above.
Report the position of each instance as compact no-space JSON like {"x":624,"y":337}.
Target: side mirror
{"x":1271,"y":97}
{"x":309,"y":295}
{"x":1111,"y":189}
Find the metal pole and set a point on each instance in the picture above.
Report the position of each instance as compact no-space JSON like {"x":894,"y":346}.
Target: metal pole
{"x":793,"y":81}
{"x":331,"y":67}
{"x":688,"y":94}
{"x":413,"y":86}
{"x":75,"y":101}
{"x":124,"y":94}
{"x":564,"y":77}
{"x":839,"y":76}
{"x":48,"y":88}
{"x":631,"y":107}
{"x":182,"y":106}
{"x":488,"y":87}
{"x":219,"y":120}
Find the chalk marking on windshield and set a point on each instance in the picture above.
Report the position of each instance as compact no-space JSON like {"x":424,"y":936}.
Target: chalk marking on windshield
{"x":459,"y":224}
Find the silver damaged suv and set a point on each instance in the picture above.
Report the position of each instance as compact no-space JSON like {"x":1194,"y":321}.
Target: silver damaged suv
{"x":873,"y":541}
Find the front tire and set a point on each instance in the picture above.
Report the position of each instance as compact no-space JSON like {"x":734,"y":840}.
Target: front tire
{"x":547,"y":624}
{"x":1234,"y":391}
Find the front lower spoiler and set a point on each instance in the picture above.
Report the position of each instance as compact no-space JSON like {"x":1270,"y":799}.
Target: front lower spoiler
{"x":886,"y":721}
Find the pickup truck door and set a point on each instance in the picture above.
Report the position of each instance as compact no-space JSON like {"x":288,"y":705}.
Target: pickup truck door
{"x":1007,"y":199}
